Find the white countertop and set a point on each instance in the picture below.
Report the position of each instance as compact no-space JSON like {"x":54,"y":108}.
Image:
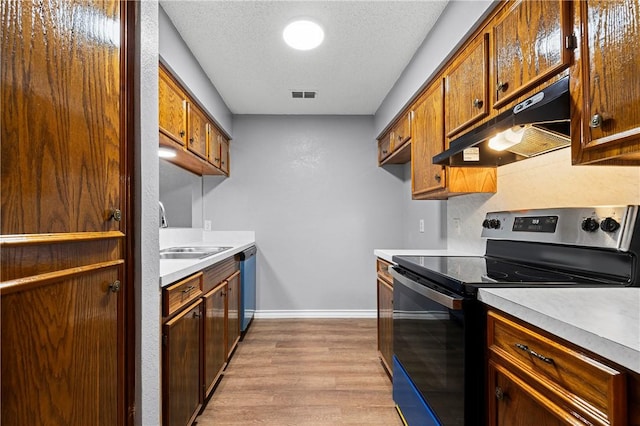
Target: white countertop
{"x":172,"y":270}
{"x":603,"y":321}
{"x":387,"y":254}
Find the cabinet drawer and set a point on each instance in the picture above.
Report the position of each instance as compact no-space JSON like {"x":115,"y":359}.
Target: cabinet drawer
{"x":583,"y":383}
{"x":382,"y":266}
{"x":178,"y":295}
{"x":219,"y":272}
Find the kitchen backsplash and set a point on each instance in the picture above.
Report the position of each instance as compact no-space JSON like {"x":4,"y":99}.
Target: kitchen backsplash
{"x":545,"y":181}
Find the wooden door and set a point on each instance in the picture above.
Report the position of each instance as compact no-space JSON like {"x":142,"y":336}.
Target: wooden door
{"x":214,"y":336}
{"x":233,"y":312}
{"x":197,"y":131}
{"x":224,"y":155}
{"x":427,"y":140}
{"x":67,"y":356}
{"x":467,"y":87}
{"x":611,"y":79}
{"x":529,"y":46}
{"x":512,"y":402}
{"x":385,"y":323}
{"x":172,"y":105}
{"x":181,"y":388}
{"x":214,"y":146}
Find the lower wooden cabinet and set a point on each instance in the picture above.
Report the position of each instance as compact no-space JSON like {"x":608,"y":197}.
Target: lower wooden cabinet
{"x":385,"y":315}
{"x":182,"y":394}
{"x":534,"y":379}
{"x":200,"y":332}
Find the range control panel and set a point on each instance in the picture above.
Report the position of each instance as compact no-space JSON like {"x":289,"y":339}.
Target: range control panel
{"x":605,"y":227}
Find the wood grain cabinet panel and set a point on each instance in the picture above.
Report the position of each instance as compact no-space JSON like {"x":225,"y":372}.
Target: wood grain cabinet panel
{"x":529,"y":46}
{"x":224,"y":154}
{"x":466,"y":87}
{"x":610,"y":82}
{"x":214,"y":146}
{"x":182,"y":392}
{"x":385,"y":324}
{"x":172,"y":105}
{"x":67,"y":356}
{"x":176,"y":296}
{"x":233,"y":312}
{"x":198,"y":124}
{"x":214,"y":335}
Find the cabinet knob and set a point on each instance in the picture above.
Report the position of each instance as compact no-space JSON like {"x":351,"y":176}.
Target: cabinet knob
{"x":182,"y":133}
{"x":196,"y":314}
{"x":399,"y":137}
{"x":597,"y":120}
{"x":384,"y":151}
{"x":116,"y":215}
{"x":115,"y":286}
{"x":477,"y":103}
{"x":502,"y":86}
{"x":499,"y":393}
{"x":190,"y":141}
{"x":438,"y":177}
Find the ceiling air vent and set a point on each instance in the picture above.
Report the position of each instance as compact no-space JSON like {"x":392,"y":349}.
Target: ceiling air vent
{"x":304,"y":94}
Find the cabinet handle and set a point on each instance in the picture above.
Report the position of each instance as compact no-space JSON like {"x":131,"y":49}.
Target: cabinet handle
{"x":115,"y":286}
{"x":190,"y":141}
{"x":182,"y":133}
{"x":499,"y":393}
{"x":502,"y":86}
{"x":400,"y":137}
{"x":116,"y":215}
{"x":196,"y":314}
{"x":216,"y":159}
{"x":384,"y":151}
{"x":533,"y":353}
{"x":597,"y":120}
{"x":188,"y":289}
{"x":477,"y":103}
{"x":438,"y":177}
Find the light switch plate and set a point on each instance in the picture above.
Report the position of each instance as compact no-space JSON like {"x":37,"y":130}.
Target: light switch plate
{"x":207,"y":225}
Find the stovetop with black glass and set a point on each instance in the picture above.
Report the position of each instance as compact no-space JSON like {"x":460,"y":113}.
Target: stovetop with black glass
{"x":566,"y":247}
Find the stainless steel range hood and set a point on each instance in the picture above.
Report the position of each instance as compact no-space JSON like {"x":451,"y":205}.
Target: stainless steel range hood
{"x":535,"y":126}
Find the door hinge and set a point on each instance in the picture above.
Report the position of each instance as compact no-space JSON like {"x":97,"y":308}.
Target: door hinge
{"x":165,"y":340}
{"x":571,"y":42}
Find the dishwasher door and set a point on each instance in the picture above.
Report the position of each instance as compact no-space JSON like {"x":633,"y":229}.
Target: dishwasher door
{"x":247,"y":287}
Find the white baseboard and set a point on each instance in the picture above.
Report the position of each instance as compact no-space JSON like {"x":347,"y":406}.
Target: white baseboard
{"x":310,"y":313}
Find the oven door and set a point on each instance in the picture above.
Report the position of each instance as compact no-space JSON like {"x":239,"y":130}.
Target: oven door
{"x":437,"y":343}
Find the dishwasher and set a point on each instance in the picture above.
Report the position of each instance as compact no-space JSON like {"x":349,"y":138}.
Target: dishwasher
{"x":247,"y":287}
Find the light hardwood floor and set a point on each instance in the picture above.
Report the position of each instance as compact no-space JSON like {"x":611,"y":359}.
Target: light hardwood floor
{"x":304,"y":372}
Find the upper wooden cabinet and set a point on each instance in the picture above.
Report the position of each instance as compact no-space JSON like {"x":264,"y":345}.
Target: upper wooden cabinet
{"x":172,"y":108}
{"x":186,"y":128}
{"x":466,"y":86}
{"x":224,"y":154}
{"x":610,"y":83}
{"x":394,"y":147}
{"x":531,"y":43}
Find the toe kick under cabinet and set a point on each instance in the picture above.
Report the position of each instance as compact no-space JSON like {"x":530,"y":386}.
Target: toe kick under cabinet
{"x":200,"y":331}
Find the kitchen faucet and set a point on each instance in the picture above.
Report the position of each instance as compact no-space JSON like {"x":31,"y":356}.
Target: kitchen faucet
{"x":163,"y":216}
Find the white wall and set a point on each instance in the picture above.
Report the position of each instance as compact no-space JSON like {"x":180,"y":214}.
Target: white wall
{"x":146,"y":236}
{"x":181,"y":195}
{"x":545,"y":181}
{"x":459,"y":18}
{"x":311,"y":189}
{"x":176,"y":55}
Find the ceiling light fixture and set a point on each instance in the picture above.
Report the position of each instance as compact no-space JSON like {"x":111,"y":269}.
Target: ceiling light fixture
{"x":164,"y":152}
{"x":303,"y":35}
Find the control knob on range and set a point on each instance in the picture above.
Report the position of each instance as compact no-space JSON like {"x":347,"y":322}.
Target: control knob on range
{"x":494,"y":224}
{"x":485,"y":223}
{"x":609,"y":225}
{"x":590,"y":225}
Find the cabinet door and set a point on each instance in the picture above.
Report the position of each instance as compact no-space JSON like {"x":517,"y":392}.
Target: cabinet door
{"x":512,"y":402}
{"x":224,"y":154}
{"x":182,"y":393}
{"x":529,"y":46}
{"x":385,"y":323}
{"x":233,"y":312}
{"x":64,"y":216}
{"x":172,"y":108}
{"x":384,"y":147}
{"x":214,"y":146}
{"x":427,"y":140}
{"x":401,"y":132}
{"x":214,"y":336}
{"x":197,"y":131}
{"x":466,"y":87}
{"x":611,"y":77}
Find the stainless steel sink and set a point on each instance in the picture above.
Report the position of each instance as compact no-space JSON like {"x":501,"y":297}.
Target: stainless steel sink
{"x":196,"y":252}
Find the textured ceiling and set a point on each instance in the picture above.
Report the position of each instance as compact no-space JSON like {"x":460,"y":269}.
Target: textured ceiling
{"x":367,"y":45}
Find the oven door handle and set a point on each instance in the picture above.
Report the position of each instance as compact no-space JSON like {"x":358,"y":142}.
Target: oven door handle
{"x":454,"y":303}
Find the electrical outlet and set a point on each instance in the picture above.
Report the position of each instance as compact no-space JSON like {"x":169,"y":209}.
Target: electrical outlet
{"x":207,"y":225}
{"x":421,"y":225}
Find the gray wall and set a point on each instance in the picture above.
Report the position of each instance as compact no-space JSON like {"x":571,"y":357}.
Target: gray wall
{"x":176,"y":55}
{"x":457,"y":20}
{"x":181,"y":195}
{"x":311,"y":189}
